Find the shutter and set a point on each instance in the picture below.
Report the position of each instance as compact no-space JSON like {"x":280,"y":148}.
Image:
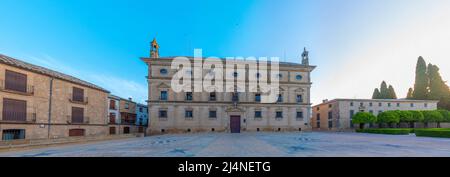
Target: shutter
{"x":76,"y":132}
{"x":78,"y":94}
{"x":77,"y":115}
{"x":15,"y":81}
{"x":14,"y":110}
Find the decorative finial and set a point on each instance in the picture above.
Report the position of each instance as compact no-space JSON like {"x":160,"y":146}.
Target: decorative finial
{"x":154,"y":49}
{"x":305,"y":57}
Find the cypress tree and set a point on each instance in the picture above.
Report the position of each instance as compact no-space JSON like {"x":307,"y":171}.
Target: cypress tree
{"x":421,"y":81}
{"x":439,"y":90}
{"x":384,"y":92}
{"x":410,"y":93}
{"x":376,"y":94}
{"x":392,"y":94}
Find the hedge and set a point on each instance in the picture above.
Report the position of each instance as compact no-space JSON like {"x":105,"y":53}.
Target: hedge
{"x":390,"y":131}
{"x":433,"y":132}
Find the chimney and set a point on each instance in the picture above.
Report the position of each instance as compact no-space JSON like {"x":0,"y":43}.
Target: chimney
{"x":131,"y":99}
{"x":325,"y":100}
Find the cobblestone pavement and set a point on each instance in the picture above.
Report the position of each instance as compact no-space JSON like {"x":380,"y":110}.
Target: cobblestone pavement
{"x":253,"y":145}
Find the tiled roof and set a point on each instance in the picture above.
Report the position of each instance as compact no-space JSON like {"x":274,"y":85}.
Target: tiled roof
{"x":41,"y":70}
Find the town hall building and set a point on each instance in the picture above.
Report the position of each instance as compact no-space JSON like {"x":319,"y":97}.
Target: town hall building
{"x":178,"y":112}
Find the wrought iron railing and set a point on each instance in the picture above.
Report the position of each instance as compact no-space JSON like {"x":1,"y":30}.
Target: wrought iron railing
{"x":29,"y":89}
{"x":29,"y":118}
{"x":77,"y":120}
{"x":83,"y":100}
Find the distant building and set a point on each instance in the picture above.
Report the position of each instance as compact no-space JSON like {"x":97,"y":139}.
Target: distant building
{"x":127,"y":115}
{"x":142,"y":115}
{"x":114,"y":114}
{"x":337,"y":114}
{"x":39,"y":103}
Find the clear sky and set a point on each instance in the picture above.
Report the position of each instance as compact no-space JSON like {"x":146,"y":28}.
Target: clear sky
{"x":355,"y":43}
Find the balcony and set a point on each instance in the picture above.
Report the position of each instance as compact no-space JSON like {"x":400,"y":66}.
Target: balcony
{"x":16,"y":89}
{"x":28,"y":118}
{"x":128,"y":121}
{"x":74,"y":120}
{"x":82,"y":100}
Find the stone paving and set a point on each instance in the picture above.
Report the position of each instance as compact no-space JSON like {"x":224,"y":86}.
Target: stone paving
{"x":296,"y":144}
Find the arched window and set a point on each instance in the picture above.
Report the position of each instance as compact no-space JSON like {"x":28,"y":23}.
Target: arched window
{"x":299,"y":77}
{"x":163,"y":71}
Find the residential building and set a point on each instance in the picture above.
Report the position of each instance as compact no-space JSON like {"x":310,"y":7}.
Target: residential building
{"x":128,"y":116}
{"x":233,"y":112}
{"x":337,"y":114}
{"x":39,"y":103}
{"x":114,"y":114}
{"x":142,"y":115}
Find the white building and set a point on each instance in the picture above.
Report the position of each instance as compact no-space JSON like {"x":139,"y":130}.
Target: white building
{"x":337,"y":114}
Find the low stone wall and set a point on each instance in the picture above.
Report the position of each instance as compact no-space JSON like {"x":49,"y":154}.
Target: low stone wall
{"x":46,"y":142}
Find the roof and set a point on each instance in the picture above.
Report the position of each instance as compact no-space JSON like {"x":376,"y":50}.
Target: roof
{"x":191,"y":58}
{"x":375,"y":100}
{"x":48,"y":72}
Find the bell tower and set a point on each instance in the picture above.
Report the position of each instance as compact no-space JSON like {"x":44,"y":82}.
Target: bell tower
{"x":305,"y":57}
{"x":154,"y":49}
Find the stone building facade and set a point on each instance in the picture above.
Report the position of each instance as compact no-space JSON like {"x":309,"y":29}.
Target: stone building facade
{"x":337,"y":114}
{"x":39,"y":103}
{"x":173,"y":112}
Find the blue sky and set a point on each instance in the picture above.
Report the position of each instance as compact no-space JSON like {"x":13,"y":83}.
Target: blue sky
{"x":355,"y":43}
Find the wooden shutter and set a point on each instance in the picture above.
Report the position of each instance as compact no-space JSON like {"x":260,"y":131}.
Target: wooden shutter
{"x":112,"y":118}
{"x":14,"y":110}
{"x":78,"y":94}
{"x":77,"y":115}
{"x":112,"y":104}
{"x":15,"y":81}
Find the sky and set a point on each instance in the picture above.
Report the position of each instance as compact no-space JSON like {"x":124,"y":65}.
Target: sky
{"x":355,"y":44}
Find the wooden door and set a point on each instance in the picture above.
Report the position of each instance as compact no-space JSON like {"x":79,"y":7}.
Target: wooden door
{"x":76,"y":132}
{"x":235,"y":124}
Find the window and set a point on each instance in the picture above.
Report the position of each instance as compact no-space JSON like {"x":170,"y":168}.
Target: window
{"x":235,"y":74}
{"x":299,"y":115}
{"x":15,"y":81}
{"x":188,"y":114}
{"x":212,"y":114}
{"x":279,"y":115}
{"x":258,"y":114}
{"x":77,"y":115}
{"x":127,"y":105}
{"x":140,"y":109}
{"x":361,"y":104}
{"x":258,"y":97}
{"x":352,"y":112}
{"x":330,"y":115}
{"x":299,"y":99}
{"x":425,"y":104}
{"x":298,"y":77}
{"x":370,"y":104}
{"x":112,"y":130}
{"x":77,"y":94}
{"x":330,"y":124}
{"x":318,"y":117}
{"x":371,"y":111}
{"x":280,"y":76}
{"x":126,"y":130}
{"x":351,"y":103}
{"x":280,"y":98}
{"x":398,"y":104}
{"x":163,"y":71}
{"x":163,"y":96}
{"x":13,"y":134}
{"x":330,"y":106}
{"x":389,"y":104}
{"x":112,"y":118}
{"x":212,"y":96}
{"x":188,"y":96}
{"x":112,"y":104}
{"x":162,"y":113}
{"x":318,"y":108}
{"x":380,"y":104}
{"x":412,"y":105}
{"x":76,"y":132}
{"x":258,"y":75}
{"x":235,"y":97}
{"x":14,"y":110}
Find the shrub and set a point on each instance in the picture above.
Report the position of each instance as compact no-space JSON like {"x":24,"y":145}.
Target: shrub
{"x":362,"y":118}
{"x":417,"y":116}
{"x":405,"y":116}
{"x":389,"y":131}
{"x":445,"y":114}
{"x":389,"y":117}
{"x":433,"y":132}
{"x":432,"y":116}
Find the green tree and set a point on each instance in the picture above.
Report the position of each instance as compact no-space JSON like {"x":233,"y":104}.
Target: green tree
{"x":388,"y":117}
{"x":362,"y":118}
{"x":410,"y":93}
{"x":421,"y":81}
{"x":445,"y":114}
{"x":417,"y":116}
{"x":376,"y":94}
{"x":391,"y":93}
{"x":384,"y":91}
{"x":439,"y":90}
{"x":432,"y":116}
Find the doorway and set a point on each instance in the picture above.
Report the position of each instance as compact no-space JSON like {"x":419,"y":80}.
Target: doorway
{"x":235,"y":124}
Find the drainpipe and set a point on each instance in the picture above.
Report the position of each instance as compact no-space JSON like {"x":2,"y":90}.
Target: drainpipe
{"x":50,"y":107}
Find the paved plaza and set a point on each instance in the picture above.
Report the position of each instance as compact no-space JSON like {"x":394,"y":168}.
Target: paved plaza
{"x":253,"y":145}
